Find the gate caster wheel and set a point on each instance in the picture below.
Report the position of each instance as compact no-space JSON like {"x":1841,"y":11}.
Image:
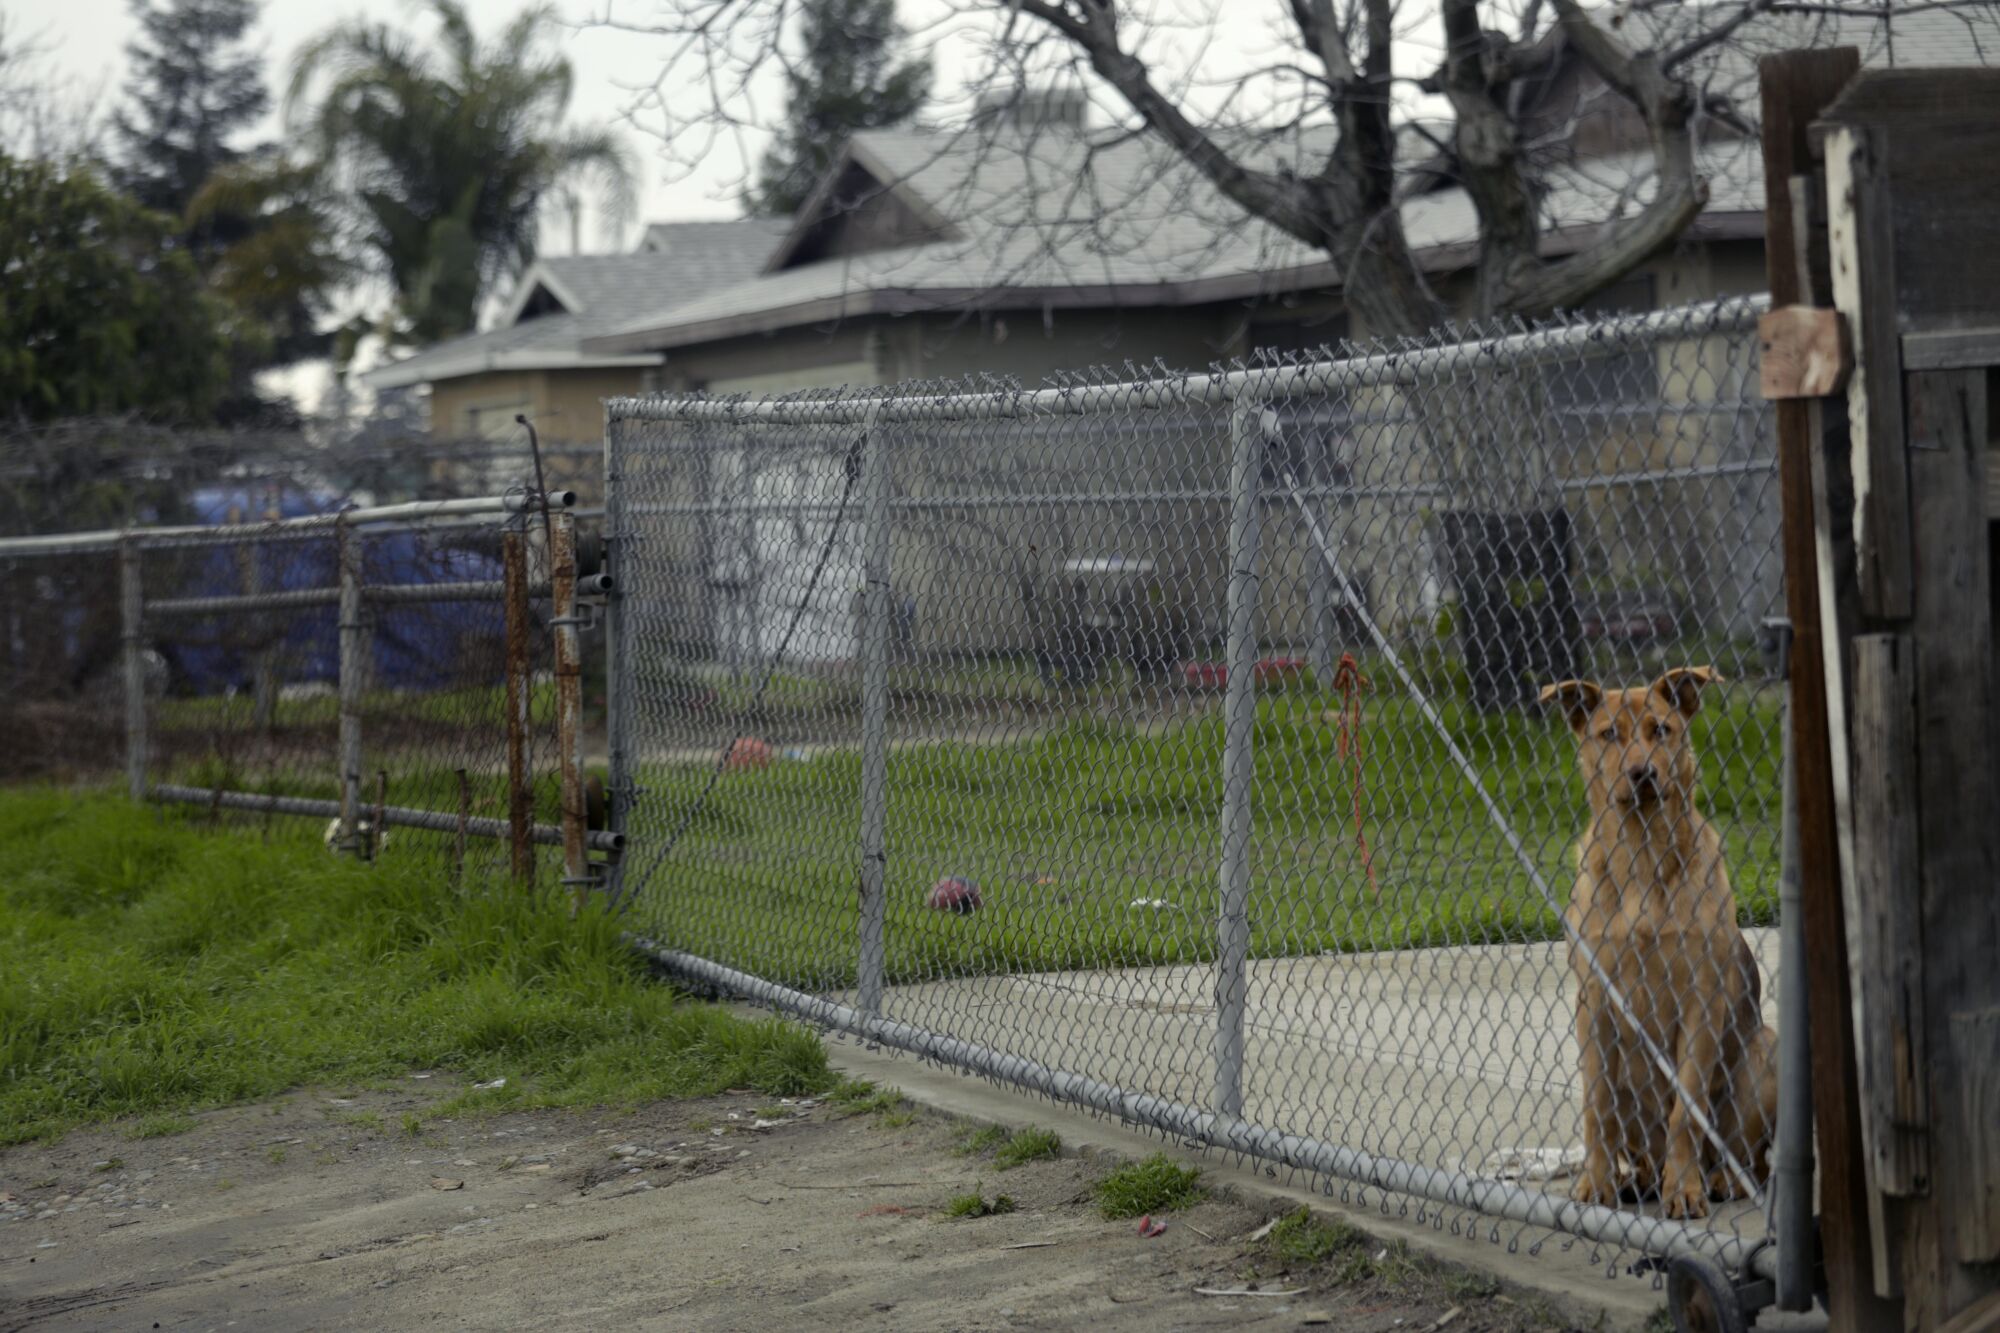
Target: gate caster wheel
{"x":1702,"y":1299}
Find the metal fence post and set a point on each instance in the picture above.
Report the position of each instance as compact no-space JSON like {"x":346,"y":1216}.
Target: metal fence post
{"x":569,"y":700}
{"x":1793,"y":1145}
{"x":132,"y":609}
{"x":874,"y":648}
{"x":616,"y":545}
{"x":1239,"y":717}
{"x":354,"y":664}
{"x":263,"y":672}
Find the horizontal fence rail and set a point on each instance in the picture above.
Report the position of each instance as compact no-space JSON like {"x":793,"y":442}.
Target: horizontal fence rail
{"x":1219,"y":735}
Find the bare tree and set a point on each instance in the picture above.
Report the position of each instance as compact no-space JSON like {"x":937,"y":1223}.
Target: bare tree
{"x":41,"y":117}
{"x":1378,"y":101}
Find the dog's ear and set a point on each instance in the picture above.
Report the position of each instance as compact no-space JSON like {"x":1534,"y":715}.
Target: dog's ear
{"x":1578,"y":699}
{"x":1682,"y":686}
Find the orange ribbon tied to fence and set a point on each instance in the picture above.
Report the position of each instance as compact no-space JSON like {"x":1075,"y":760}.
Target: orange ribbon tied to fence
{"x":1349,"y":683}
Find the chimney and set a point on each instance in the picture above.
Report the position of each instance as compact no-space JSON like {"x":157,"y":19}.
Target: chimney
{"x":1035,"y":109}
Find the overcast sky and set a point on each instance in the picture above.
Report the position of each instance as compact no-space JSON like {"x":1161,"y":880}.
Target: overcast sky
{"x":89,"y":39}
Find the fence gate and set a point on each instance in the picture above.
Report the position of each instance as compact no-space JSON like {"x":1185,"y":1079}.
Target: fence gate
{"x":1174,"y":748}
{"x":410,"y":674}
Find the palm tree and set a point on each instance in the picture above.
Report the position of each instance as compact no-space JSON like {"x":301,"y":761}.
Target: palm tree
{"x":450,"y":153}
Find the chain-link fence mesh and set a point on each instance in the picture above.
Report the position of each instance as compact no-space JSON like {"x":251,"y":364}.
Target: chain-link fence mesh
{"x":391,"y":679}
{"x":1176,"y":746}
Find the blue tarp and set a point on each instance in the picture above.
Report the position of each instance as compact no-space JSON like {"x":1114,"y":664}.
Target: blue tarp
{"x":422,"y":646}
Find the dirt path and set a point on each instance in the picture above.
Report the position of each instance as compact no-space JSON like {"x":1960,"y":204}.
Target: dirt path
{"x":321,"y":1211}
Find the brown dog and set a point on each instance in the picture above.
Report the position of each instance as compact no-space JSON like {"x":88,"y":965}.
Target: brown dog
{"x":1653,"y":906}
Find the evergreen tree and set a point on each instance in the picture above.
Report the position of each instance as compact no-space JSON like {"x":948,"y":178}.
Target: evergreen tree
{"x":100,"y":310}
{"x":849,"y":80}
{"x":193,"y":89}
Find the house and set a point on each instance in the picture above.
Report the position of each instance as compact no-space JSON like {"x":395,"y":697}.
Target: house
{"x":1025,"y":245}
{"x":534,"y":361}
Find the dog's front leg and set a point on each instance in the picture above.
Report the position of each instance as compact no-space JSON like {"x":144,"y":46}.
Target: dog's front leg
{"x":1684,"y":1187}
{"x":1598,"y":1181}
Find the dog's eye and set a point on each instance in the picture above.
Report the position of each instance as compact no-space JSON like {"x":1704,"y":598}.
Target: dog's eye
{"x":1663,"y":730}
{"x":1608,"y":734}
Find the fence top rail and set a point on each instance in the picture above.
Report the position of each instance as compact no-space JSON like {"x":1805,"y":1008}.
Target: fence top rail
{"x":1393,"y":365}
{"x":411,"y":513}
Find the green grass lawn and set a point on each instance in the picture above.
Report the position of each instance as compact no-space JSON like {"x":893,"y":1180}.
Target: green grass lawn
{"x":1066,"y":828}
{"x":157,"y":966}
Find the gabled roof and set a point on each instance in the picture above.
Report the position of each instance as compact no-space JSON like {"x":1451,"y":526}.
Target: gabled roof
{"x":576,"y":296}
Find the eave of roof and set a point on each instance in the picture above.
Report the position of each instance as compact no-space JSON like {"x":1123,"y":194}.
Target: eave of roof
{"x":425,"y":368}
{"x":891,"y":299}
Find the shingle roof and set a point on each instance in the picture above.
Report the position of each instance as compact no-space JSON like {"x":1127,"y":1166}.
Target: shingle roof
{"x":1138,"y":227}
{"x":1057,"y":219}
{"x":678,"y":261}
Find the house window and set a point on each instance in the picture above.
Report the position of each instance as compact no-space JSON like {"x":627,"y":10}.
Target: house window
{"x":1619,"y":378}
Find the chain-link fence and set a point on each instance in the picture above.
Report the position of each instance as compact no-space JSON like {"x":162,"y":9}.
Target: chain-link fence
{"x":409,"y":676}
{"x":1175,"y":746}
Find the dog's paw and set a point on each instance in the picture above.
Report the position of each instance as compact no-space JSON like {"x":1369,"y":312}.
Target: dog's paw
{"x":1722,"y":1186}
{"x":1685,"y":1199}
{"x":1599,"y":1187}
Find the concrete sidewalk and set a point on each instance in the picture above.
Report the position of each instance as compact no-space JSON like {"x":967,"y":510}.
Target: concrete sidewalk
{"x":1448,"y":1057}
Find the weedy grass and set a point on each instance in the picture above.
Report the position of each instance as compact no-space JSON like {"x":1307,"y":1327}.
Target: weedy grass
{"x":973,"y":1205}
{"x":1156,"y":1185}
{"x":1028,"y":1145}
{"x":1302,"y":1239}
{"x":156,"y":966}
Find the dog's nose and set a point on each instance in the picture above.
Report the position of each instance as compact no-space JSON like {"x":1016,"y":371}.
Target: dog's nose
{"x":1642,"y":774}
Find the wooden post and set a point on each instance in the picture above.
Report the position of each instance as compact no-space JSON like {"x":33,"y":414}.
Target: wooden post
{"x":1796,"y":86}
{"x":514,"y":564}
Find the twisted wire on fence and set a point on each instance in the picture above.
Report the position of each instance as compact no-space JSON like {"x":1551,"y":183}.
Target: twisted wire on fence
{"x":1172,"y":744}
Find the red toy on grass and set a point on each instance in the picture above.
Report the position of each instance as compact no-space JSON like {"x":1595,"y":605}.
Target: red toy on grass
{"x":748,"y":752}
{"x":952,"y":894}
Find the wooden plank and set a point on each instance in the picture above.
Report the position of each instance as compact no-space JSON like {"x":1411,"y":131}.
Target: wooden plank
{"x":1802,"y":352}
{"x":1975,"y":1048}
{"x":1918,"y":97}
{"x":1940,"y":144}
{"x":1860,"y":233}
{"x":1983,"y":1317}
{"x":1832,"y":483}
{"x":1952,"y":349}
{"x":1795,"y":87}
{"x":1886,"y":946}
{"x":1956,"y":799}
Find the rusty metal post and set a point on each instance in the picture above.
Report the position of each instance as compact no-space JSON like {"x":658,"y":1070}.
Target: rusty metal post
{"x":132,"y":607}
{"x":569,"y":700}
{"x":514,"y":559}
{"x":354,"y":655}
